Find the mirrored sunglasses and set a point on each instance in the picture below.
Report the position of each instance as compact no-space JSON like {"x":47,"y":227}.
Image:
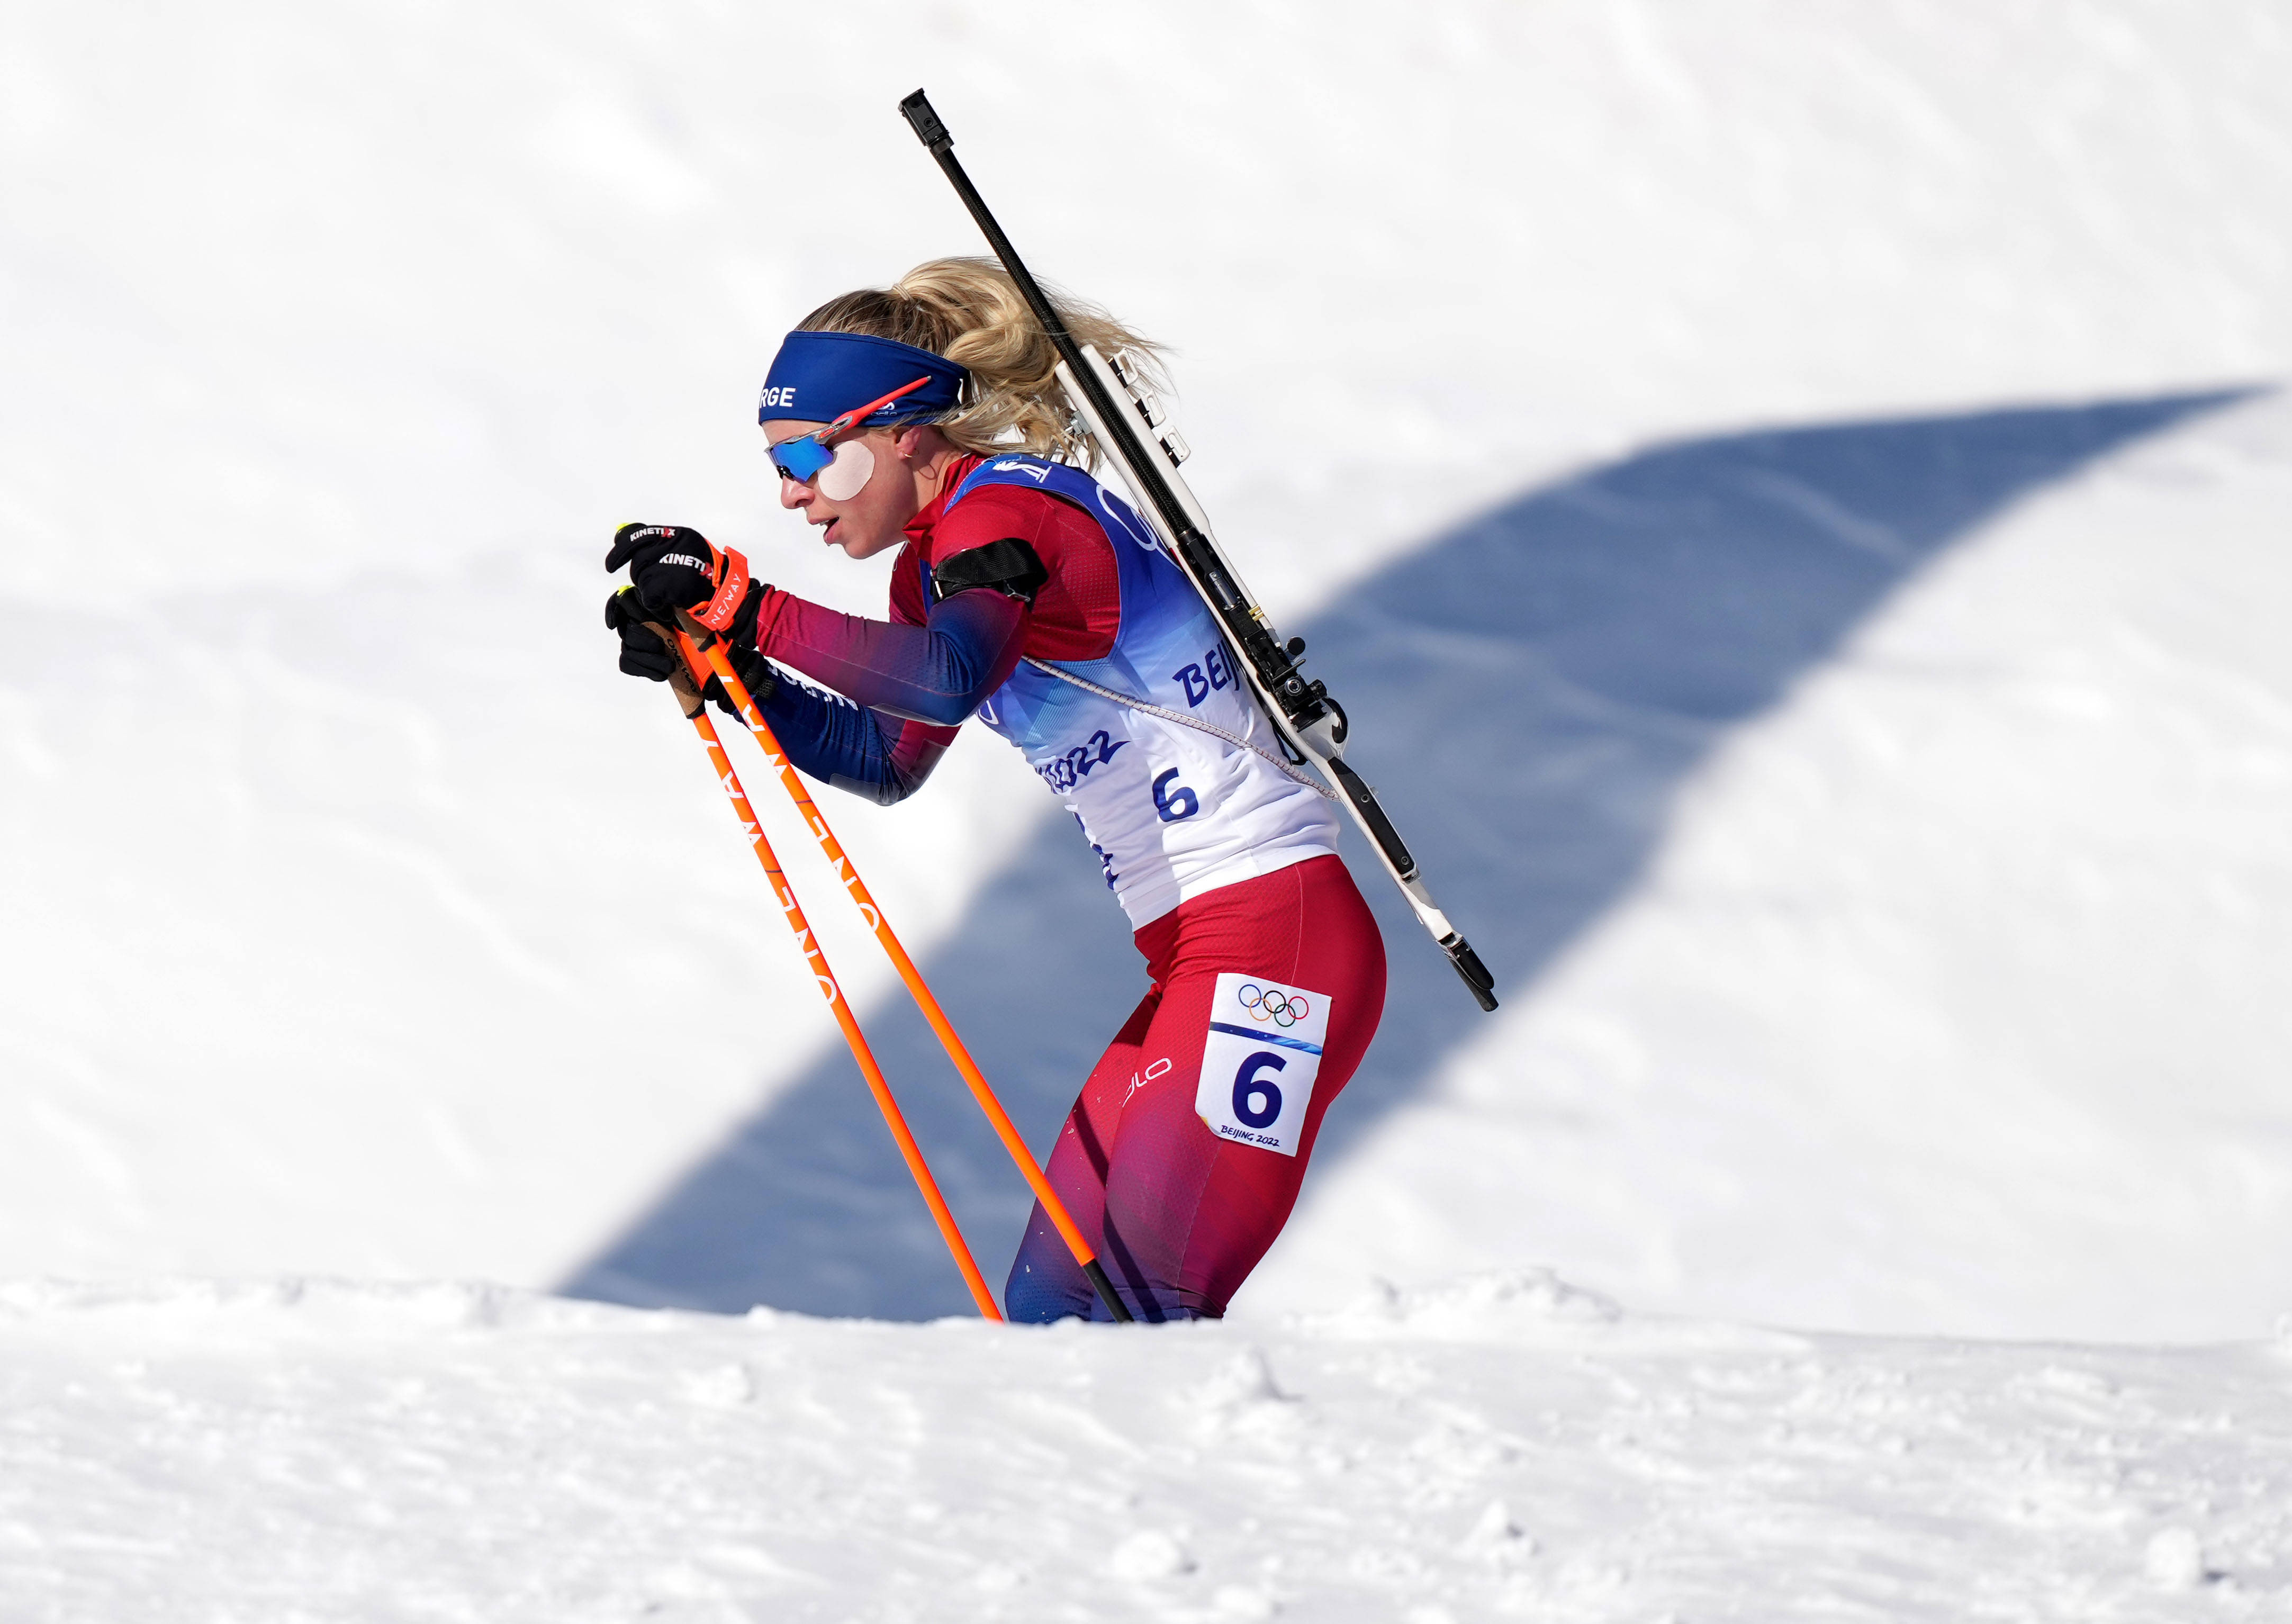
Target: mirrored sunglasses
{"x":802,"y":458}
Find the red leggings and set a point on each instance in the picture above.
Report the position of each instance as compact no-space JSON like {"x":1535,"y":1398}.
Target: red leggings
{"x":1181,"y":1216}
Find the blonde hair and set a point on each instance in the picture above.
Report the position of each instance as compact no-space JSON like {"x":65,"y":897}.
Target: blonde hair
{"x":969,"y":310}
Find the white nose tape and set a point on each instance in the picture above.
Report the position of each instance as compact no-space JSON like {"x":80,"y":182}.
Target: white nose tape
{"x":848,"y":475}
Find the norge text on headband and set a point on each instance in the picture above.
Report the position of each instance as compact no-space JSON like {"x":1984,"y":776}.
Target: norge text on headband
{"x":818,"y":377}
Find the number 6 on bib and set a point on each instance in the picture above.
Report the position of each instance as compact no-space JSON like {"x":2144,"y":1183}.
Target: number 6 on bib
{"x":1258,"y":1067}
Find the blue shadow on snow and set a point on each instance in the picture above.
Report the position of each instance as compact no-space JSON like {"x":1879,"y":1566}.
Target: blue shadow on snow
{"x":1527,"y":692}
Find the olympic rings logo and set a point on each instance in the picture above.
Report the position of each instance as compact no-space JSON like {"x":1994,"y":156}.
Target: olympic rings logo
{"x":1271,"y":1004}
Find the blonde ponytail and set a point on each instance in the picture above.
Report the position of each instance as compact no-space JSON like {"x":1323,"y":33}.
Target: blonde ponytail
{"x":969,"y":310}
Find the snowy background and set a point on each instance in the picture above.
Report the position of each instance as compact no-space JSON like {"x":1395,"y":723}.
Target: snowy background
{"x":1798,"y":499}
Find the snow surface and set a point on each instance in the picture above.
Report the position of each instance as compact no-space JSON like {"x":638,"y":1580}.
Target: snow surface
{"x":1795,"y":498}
{"x":1501,"y":1446}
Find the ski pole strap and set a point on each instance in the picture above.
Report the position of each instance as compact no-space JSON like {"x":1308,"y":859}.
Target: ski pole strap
{"x":732,"y":584}
{"x":1182,"y":720}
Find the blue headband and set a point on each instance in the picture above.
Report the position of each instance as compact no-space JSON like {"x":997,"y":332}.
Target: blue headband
{"x":819,"y":377}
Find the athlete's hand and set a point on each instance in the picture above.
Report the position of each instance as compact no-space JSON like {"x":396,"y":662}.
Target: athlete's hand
{"x":672,"y":567}
{"x":755,"y":674}
{"x":645,"y":653}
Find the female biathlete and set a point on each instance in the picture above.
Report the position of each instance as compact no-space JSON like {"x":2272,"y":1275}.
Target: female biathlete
{"x":926,"y":416}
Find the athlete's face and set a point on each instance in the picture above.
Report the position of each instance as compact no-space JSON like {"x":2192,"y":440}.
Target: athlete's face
{"x":880,"y":480}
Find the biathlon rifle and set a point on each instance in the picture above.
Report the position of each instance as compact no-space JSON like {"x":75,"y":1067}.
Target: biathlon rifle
{"x":1131,"y":429}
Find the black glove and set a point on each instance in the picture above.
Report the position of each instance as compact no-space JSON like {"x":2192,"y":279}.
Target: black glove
{"x":755,"y":674}
{"x":644,"y":653}
{"x":672,"y":567}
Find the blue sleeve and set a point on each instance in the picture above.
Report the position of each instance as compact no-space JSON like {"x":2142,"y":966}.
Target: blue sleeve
{"x":883,"y":758}
{"x":935,"y":672}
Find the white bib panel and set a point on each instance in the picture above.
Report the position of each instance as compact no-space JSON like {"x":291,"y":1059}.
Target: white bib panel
{"x":1173,"y":812}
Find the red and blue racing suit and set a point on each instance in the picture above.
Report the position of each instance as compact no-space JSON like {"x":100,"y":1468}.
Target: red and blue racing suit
{"x":1184,"y":1151}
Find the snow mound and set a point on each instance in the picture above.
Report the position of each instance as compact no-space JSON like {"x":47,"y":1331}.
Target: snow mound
{"x":1496,"y":1445}
{"x":1503,"y":1306}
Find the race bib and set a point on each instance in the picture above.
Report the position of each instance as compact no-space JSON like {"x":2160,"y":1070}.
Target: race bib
{"x":1258,"y":1067}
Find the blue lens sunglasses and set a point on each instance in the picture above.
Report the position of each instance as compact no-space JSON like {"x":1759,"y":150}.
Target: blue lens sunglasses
{"x":802,"y":458}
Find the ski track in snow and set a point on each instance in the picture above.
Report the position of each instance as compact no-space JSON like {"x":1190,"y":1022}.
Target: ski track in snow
{"x":1500,"y":1446}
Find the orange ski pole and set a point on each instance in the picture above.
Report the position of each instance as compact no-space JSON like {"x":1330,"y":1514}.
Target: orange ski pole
{"x":697,"y":712}
{"x":712,"y":653}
